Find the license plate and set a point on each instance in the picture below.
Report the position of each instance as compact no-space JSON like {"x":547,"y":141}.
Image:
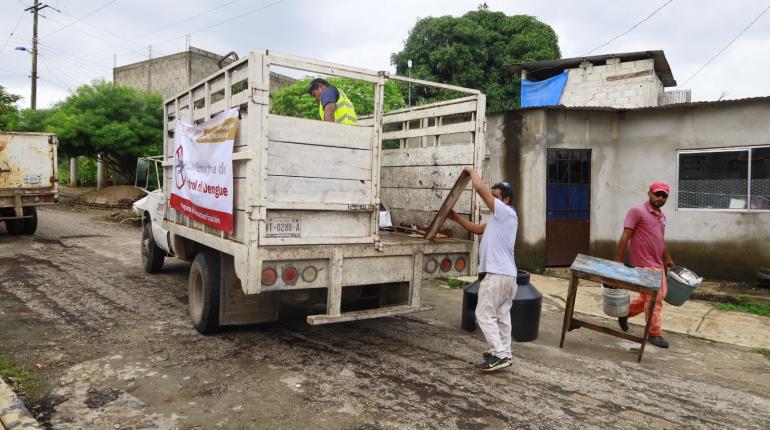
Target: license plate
{"x":283,"y":228}
{"x":32,"y":179}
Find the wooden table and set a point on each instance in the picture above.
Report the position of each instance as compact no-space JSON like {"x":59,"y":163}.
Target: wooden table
{"x":615,"y":275}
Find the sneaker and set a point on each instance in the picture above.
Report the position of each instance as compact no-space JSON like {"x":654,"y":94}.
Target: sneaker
{"x":493,"y":363}
{"x":487,"y":356}
{"x":623,"y":323}
{"x":658,"y":341}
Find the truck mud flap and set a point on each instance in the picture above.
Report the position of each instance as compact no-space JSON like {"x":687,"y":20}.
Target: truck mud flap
{"x":367,"y":314}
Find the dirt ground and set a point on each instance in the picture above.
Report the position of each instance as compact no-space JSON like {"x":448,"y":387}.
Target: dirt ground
{"x":116,"y":350}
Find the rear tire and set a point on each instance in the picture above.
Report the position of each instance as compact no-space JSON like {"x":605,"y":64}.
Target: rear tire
{"x":15,"y":227}
{"x":203,"y":292}
{"x":152,"y":255}
{"x":29,"y":225}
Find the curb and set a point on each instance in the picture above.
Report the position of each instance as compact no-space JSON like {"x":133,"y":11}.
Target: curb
{"x":13,"y":414}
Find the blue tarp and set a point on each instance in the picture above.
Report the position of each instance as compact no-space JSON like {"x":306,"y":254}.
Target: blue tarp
{"x":543,"y":93}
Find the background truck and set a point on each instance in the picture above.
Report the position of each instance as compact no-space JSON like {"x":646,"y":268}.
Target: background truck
{"x":28,"y":178}
{"x":307,"y":195}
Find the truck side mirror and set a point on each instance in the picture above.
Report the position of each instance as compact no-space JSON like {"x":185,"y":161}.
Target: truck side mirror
{"x":142,"y":173}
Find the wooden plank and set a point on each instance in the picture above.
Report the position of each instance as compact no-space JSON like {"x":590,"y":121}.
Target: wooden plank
{"x":324,"y":224}
{"x":462,"y":127}
{"x":455,"y":108}
{"x":616,"y":271}
{"x":424,"y":218}
{"x":292,"y":159}
{"x":317,"y":132}
{"x":434,"y":84}
{"x":323,"y":67}
{"x":432,"y":177}
{"x":449,"y":203}
{"x":315,"y":190}
{"x":423,"y":200}
{"x":454,"y":155}
{"x":576,"y":323}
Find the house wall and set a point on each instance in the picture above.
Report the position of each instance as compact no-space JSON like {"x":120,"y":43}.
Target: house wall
{"x":629,"y":84}
{"x":630,"y":150}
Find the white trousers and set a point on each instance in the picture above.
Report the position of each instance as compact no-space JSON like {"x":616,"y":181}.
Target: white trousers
{"x":493,"y":312}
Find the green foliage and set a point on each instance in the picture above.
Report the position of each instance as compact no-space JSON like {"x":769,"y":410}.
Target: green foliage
{"x":8,"y":109}
{"x":764,"y":351}
{"x":744,"y":305}
{"x":86,"y":171}
{"x":120,"y":122}
{"x":29,"y":120}
{"x":294,"y":101}
{"x":24,"y":382}
{"x":455,"y":283}
{"x":471,"y":50}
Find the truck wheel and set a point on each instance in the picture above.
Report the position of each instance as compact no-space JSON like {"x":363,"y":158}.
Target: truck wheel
{"x":14,"y":226}
{"x":203,"y":292}
{"x":152,"y":255}
{"x":29,"y":225}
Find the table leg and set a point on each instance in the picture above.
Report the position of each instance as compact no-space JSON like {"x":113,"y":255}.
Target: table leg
{"x":569,"y":306}
{"x":650,"y":310}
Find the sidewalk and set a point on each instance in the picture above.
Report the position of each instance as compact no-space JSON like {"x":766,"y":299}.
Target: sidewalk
{"x":13,"y":414}
{"x":694,"y":318}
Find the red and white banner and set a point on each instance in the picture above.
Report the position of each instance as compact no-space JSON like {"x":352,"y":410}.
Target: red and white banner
{"x":202,"y":187}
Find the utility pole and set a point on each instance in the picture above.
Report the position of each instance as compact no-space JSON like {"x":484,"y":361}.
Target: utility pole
{"x":34,"y":9}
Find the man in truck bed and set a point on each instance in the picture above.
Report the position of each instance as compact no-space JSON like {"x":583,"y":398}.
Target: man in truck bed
{"x":333,"y":104}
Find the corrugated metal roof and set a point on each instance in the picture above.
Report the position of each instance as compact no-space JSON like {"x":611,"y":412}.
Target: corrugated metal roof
{"x":539,"y":70}
{"x":671,"y":106}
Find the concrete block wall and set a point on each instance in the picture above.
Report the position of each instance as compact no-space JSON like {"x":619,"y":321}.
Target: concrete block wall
{"x":629,"y":84}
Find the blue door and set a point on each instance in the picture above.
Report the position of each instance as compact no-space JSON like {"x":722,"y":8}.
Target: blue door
{"x":568,"y":207}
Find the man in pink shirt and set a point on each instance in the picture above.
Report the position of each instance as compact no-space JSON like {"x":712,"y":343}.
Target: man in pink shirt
{"x":644,"y":229}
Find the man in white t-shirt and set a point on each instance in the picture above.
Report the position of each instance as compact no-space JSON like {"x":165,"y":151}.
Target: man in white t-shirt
{"x":498,"y":288}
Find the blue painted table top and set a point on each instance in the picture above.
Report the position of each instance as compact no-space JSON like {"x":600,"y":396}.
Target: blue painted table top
{"x":613,"y":270}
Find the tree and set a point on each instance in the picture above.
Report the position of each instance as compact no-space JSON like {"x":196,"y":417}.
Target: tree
{"x":118,"y":122}
{"x":8,"y":110}
{"x":471,"y":50}
{"x":293,"y":100}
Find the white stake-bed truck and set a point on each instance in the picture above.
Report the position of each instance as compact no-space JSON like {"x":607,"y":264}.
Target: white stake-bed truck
{"x":307,"y":197}
{"x":28,"y":178}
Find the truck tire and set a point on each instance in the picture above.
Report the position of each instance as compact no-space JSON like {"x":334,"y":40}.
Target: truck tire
{"x":203,"y":292}
{"x":14,"y":226}
{"x":29,"y":225}
{"x":152,"y":255}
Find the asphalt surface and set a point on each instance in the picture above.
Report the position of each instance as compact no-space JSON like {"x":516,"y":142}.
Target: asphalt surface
{"x":116,"y":350}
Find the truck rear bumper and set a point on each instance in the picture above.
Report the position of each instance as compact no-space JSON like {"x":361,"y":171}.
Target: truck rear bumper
{"x":367,"y":314}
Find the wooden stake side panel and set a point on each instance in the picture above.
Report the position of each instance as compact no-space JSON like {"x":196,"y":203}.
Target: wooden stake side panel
{"x":435,"y":142}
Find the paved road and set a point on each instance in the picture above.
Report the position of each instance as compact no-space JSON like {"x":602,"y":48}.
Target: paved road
{"x":116,"y":349}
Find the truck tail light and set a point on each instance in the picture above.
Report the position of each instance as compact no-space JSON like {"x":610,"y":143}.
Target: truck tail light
{"x":309,"y":274}
{"x":460,"y":264}
{"x":269,"y":276}
{"x":290,"y":275}
{"x":446,"y":265}
{"x":431,"y":266}
{"x":48,"y":198}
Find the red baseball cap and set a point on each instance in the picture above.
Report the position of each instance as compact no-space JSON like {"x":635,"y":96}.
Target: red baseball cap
{"x":659,"y":186}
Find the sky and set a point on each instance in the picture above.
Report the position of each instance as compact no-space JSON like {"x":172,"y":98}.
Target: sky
{"x":83,"y":41}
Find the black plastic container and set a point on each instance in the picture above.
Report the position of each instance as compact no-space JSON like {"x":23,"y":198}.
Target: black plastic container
{"x":525,"y":311}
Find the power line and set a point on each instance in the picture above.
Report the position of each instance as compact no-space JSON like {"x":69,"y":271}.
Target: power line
{"x":79,"y":19}
{"x":12,"y":31}
{"x":54,"y":76}
{"x":105,"y":30}
{"x":97,"y":37}
{"x":166,"y":27}
{"x":725,"y":47}
{"x":630,"y":29}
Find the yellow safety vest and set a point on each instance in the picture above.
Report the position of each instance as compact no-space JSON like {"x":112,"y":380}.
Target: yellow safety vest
{"x":344,"y":113}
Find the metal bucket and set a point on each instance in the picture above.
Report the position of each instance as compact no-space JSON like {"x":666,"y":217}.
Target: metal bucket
{"x":615,"y":301}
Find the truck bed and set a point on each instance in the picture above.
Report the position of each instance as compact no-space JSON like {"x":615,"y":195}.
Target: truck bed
{"x":393,"y":238}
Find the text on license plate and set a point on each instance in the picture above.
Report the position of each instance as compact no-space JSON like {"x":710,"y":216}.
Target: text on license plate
{"x":283,"y":228}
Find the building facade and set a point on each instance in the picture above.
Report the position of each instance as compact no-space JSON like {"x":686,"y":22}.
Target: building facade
{"x":577,"y":170}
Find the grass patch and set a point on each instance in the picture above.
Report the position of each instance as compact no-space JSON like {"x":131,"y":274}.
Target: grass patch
{"x":455,"y":283}
{"x":764,"y":351}
{"x":24,"y":382}
{"x":744,"y":305}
